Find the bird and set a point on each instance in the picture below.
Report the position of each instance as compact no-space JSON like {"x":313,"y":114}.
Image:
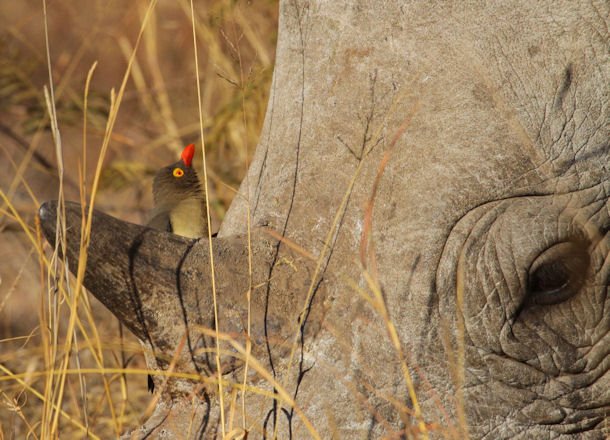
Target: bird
{"x":179,"y":199}
{"x":179,"y":203}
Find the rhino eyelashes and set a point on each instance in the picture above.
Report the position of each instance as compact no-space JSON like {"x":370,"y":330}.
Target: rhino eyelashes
{"x":558,"y":273}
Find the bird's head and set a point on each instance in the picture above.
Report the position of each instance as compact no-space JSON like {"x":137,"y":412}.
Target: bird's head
{"x":178,"y":181}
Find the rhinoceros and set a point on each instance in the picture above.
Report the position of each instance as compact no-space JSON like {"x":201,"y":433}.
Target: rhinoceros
{"x":419,"y":249}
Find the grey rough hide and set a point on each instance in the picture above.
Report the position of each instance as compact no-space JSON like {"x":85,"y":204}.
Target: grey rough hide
{"x":457,"y":153}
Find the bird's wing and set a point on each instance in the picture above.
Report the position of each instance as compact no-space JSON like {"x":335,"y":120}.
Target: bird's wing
{"x":160,"y":220}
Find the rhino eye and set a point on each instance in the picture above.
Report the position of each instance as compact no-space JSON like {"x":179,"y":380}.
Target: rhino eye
{"x":558,"y":273}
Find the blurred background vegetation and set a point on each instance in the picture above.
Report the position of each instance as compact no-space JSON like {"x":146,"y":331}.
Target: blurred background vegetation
{"x":157,"y":117}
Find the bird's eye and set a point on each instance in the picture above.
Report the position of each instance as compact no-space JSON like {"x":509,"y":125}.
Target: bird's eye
{"x":558,"y":273}
{"x":178,"y":172}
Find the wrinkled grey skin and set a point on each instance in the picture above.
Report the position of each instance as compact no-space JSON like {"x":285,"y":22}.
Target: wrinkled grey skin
{"x":479,"y":136}
{"x":506,"y":155}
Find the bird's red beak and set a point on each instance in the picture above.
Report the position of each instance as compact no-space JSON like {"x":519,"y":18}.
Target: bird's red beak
{"x":187,"y":154}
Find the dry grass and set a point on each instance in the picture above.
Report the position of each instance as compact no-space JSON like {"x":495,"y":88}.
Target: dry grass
{"x":121,"y":106}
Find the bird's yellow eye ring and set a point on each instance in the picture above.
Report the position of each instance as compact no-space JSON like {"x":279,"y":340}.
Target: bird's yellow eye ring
{"x":178,"y":172}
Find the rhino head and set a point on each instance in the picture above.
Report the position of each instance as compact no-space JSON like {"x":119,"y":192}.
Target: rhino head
{"x":429,"y":245}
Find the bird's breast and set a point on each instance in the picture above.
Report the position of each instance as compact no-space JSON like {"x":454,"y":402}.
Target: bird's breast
{"x":188,"y":218}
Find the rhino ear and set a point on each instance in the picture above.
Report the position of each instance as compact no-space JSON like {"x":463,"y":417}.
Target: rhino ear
{"x":128,"y":265}
{"x":158,"y":284}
